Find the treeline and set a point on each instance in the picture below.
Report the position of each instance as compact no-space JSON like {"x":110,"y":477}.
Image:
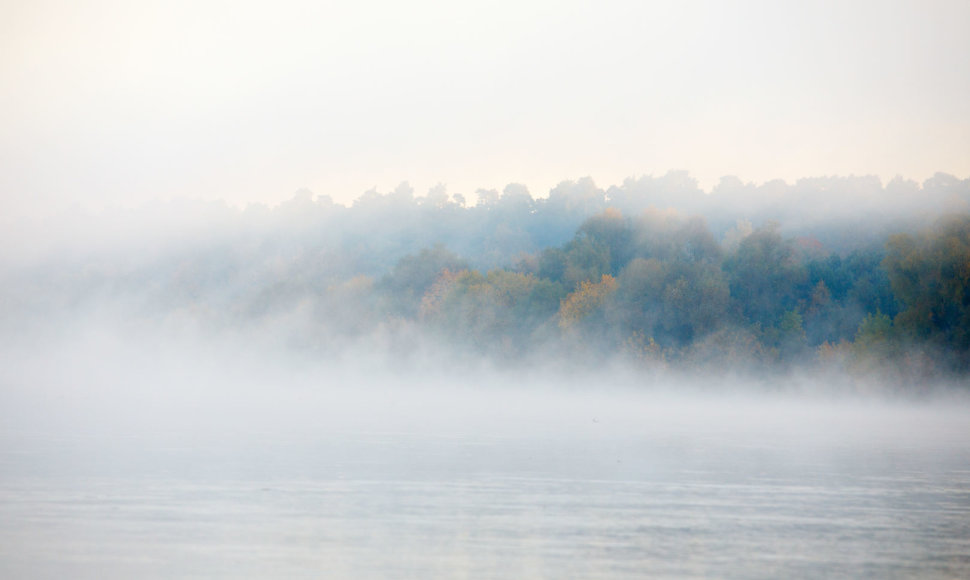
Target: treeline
{"x":489,"y":228}
{"x":861,"y":278}
{"x":659,"y":288}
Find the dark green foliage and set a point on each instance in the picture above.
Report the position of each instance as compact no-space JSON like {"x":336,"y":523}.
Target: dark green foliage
{"x":764,"y":276}
{"x":413,"y":275}
{"x":833,"y":273}
{"x":552,"y":264}
{"x":611,"y":229}
{"x":930,"y":276}
{"x":792,"y":343}
{"x":586,"y":259}
{"x":497,"y":313}
{"x":672,"y":302}
{"x":839,"y":292}
{"x":636,"y":305}
{"x":875,"y":329}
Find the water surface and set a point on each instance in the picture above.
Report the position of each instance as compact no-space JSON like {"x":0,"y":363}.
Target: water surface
{"x":424,"y":483}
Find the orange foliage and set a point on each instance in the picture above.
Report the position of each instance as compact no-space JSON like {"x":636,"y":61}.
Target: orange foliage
{"x":585,"y":300}
{"x":433,"y":298}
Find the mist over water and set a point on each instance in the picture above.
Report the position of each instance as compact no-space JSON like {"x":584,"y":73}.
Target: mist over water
{"x":585,"y":386}
{"x":172,"y":455}
{"x":615,"y":289}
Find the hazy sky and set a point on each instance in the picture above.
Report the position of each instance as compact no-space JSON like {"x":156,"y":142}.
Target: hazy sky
{"x":105,"y":102}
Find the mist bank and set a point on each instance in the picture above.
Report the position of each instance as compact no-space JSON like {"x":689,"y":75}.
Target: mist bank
{"x":654,"y":277}
{"x":491,"y":228}
{"x":180,"y":389}
{"x":203,"y":444}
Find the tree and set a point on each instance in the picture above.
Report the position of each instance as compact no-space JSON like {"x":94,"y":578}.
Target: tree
{"x":414,"y":274}
{"x":497,"y":312}
{"x":586,"y":259}
{"x":763,"y":276}
{"x":792,"y":341}
{"x":612,"y":230}
{"x":586,"y":300}
{"x":673,"y":303}
{"x":695,"y":302}
{"x":552,"y":264}
{"x":930,"y":276}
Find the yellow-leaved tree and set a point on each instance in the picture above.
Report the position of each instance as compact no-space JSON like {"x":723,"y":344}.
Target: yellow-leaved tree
{"x":585,"y":300}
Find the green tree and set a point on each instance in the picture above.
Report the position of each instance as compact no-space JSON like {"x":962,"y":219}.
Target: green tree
{"x":612,"y":230}
{"x":930,"y":276}
{"x":792,"y":341}
{"x":764,"y":275}
{"x":407,"y":283}
{"x":552,"y":264}
{"x":672,"y":302}
{"x":587,"y":259}
{"x":497,"y":312}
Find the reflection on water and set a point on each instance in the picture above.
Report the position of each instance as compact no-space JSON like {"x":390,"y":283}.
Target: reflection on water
{"x":628,"y":503}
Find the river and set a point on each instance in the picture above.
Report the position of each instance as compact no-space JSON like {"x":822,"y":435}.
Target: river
{"x":509,"y":483}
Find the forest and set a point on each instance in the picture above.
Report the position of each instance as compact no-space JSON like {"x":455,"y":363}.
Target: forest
{"x":837,"y":275}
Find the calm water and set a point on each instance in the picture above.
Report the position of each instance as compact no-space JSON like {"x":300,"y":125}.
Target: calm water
{"x":456,"y":486}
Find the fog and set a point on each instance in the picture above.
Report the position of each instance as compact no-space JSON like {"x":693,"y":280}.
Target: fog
{"x":97,"y":400}
{"x":525,"y":289}
{"x":643,"y":378}
{"x":163,"y":449}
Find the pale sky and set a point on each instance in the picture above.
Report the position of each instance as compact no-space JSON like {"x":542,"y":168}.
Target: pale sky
{"x":117,"y":102}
